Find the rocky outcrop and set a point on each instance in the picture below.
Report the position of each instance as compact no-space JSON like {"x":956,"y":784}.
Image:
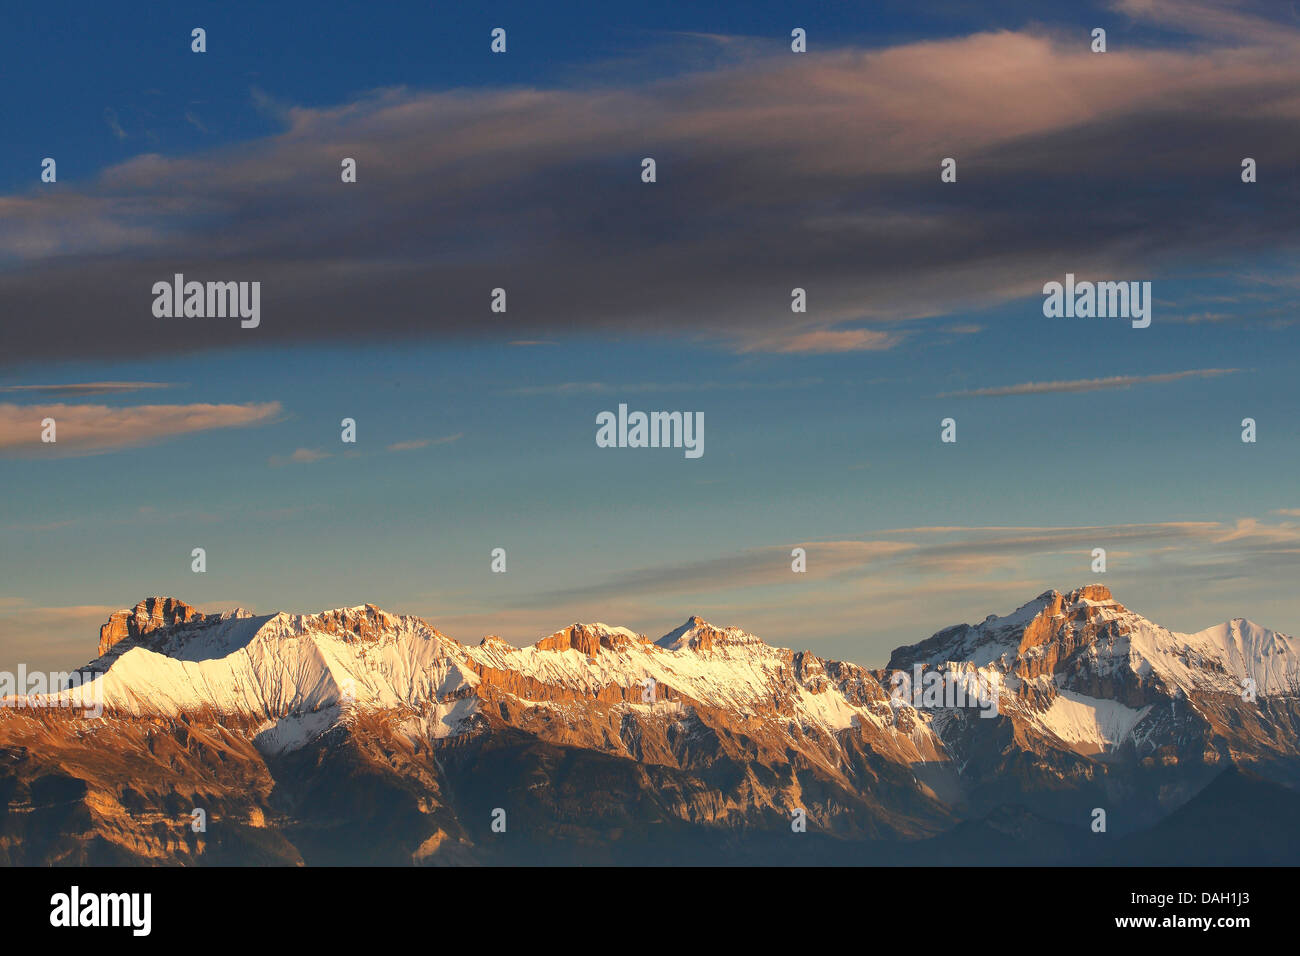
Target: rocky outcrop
{"x":1066,"y":623}
{"x":151,"y":614}
{"x":588,"y":639}
{"x":368,"y":623}
{"x":698,"y":634}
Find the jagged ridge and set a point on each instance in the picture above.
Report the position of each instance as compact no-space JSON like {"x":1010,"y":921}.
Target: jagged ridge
{"x":705,"y":727}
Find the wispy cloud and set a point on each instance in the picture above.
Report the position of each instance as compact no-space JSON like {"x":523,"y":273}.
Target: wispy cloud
{"x":114,"y":125}
{"x":948,"y":555}
{"x":76,"y":389}
{"x":307,"y":456}
{"x":1198,"y":318}
{"x":301,"y":456}
{"x":757,"y":567}
{"x":634,"y":388}
{"x":415,"y":443}
{"x":827,"y":341}
{"x":1091,"y":384}
{"x":99,"y":429}
{"x":900,"y":585}
{"x":1248,"y":22}
{"x":148,"y":514}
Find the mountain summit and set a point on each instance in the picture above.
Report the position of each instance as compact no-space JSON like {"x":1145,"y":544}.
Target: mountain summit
{"x":596,"y":730}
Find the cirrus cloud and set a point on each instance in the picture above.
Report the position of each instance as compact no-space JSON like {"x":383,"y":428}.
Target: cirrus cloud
{"x":98,"y":429}
{"x":1091,"y":384}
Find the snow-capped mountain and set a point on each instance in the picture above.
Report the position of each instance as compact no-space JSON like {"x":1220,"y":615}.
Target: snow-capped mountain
{"x":603,"y":735}
{"x":285,"y":667}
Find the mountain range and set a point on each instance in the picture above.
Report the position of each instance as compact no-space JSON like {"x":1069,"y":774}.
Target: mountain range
{"x":356,"y":736}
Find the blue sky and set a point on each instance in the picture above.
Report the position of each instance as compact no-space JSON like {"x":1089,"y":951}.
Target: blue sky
{"x":821,"y":430}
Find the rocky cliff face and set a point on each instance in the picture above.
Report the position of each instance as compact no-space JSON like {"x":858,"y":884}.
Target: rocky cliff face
{"x":600,"y":744}
{"x":149,"y":615}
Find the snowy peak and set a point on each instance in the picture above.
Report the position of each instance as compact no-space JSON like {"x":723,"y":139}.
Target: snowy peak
{"x":1067,"y":614}
{"x":1002,"y":640}
{"x":1248,"y":639}
{"x":1086,"y":640}
{"x":698,"y":634}
{"x":1095,"y":593}
{"x":1232,"y":657}
{"x":1075,"y":667}
{"x":1068,"y":692}
{"x":172,"y":627}
{"x":1049,"y":609}
{"x":367,"y":622}
{"x":296,"y":676}
{"x":590,"y":638}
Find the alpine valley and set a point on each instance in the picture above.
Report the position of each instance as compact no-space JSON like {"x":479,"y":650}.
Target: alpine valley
{"x":355,"y":736}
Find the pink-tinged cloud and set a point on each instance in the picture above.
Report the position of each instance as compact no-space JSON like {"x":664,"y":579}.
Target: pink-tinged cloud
{"x":839,"y":573}
{"x":301,"y":456}
{"x":415,"y":443}
{"x":848,"y":340}
{"x":99,"y":429}
{"x":1091,"y":384}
